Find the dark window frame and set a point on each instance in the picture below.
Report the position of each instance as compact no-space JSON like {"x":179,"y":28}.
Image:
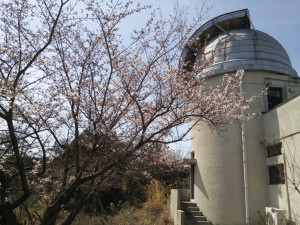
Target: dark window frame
{"x":274,"y":97}
{"x":276,"y":174}
{"x":275,"y":149}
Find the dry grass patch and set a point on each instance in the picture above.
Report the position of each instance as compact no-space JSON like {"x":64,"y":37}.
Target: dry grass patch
{"x":155,"y":211}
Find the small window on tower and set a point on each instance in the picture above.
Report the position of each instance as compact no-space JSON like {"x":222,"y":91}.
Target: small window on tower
{"x":276,"y":173}
{"x":274,"y":97}
{"x":275,"y":149}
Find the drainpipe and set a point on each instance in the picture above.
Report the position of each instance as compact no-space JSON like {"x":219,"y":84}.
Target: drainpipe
{"x":192,"y":175}
{"x":287,"y":187}
{"x":244,"y":162}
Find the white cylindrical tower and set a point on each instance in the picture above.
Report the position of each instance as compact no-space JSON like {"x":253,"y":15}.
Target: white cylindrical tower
{"x":219,"y":182}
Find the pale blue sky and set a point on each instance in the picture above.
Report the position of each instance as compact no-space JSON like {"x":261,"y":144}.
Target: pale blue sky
{"x":278,"y":18}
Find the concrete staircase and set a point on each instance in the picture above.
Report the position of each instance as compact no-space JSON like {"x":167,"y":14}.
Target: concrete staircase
{"x":192,"y":214}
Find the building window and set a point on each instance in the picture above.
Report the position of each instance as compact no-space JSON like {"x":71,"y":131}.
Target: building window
{"x":275,"y":149}
{"x":276,"y":173}
{"x":274,"y":97}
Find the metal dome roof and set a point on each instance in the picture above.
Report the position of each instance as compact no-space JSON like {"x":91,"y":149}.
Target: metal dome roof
{"x":247,"y":49}
{"x":232,"y":45}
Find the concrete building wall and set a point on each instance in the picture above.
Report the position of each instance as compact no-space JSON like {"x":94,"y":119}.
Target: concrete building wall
{"x":283,"y":125}
{"x":219,"y":180}
{"x":218,"y":175}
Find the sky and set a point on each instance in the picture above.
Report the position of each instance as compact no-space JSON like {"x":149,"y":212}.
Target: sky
{"x":278,"y":18}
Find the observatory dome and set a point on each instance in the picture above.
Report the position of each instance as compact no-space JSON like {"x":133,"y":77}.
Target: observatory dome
{"x":229,"y":42}
{"x":246,"y":49}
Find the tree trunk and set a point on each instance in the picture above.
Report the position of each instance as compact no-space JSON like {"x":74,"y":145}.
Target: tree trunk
{"x":7,"y":215}
{"x":51,"y":214}
{"x":74,"y":212}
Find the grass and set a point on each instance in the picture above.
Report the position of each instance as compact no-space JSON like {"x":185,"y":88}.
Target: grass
{"x":129,"y":216}
{"x":155,"y":211}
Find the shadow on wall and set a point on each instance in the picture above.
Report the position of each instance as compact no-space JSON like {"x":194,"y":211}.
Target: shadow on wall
{"x":199,"y":182}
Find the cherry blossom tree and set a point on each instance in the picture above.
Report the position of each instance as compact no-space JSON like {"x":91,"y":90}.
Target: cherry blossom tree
{"x":71,"y":83}
{"x":26,"y":30}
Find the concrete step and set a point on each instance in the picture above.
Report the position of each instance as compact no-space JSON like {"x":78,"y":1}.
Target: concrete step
{"x":188,"y":203}
{"x":190,"y":208}
{"x":195,"y":218}
{"x":197,"y":223}
{"x":193,"y":213}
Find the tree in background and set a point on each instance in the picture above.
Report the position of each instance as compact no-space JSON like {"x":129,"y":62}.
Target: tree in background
{"x":65,"y":69}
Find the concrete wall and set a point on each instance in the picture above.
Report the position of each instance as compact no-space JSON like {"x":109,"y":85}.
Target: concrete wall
{"x":178,"y":195}
{"x":218,"y":175}
{"x":219,"y":180}
{"x":283,"y":125}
